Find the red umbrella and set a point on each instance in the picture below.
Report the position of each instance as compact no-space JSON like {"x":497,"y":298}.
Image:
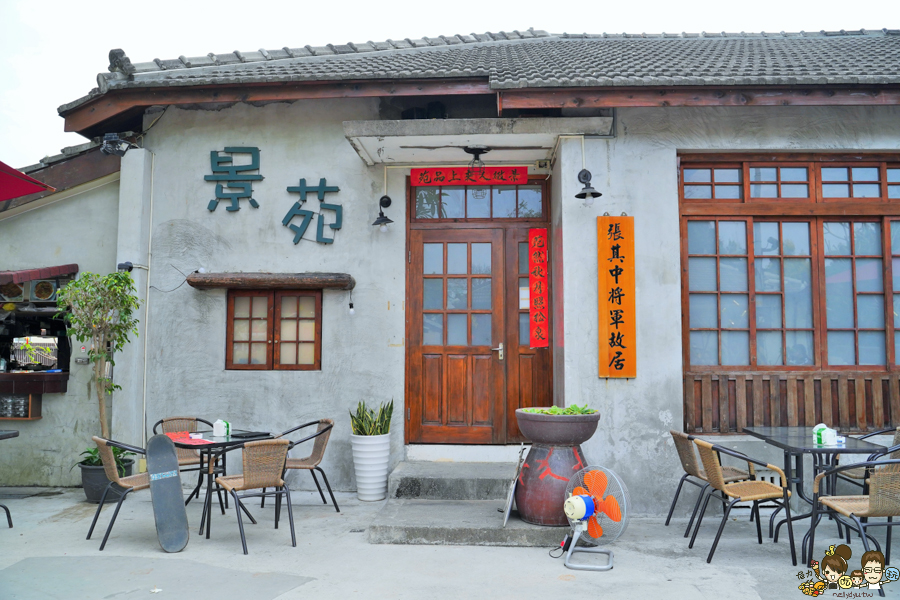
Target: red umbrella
{"x":15,"y":184}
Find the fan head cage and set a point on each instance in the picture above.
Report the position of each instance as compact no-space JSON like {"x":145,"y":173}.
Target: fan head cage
{"x":611,"y":500}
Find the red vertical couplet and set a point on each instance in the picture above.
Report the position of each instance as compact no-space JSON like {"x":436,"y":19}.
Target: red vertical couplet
{"x":615,"y":277}
{"x":538,"y":294}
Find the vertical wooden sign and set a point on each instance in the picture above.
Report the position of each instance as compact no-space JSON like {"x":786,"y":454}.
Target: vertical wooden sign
{"x":539,"y":296}
{"x":615,"y":277}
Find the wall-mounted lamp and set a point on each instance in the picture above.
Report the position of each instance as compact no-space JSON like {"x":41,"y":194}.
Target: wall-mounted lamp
{"x":351,"y":311}
{"x":584,"y":176}
{"x":126,"y":266}
{"x":477,"y":165}
{"x":382,"y":221}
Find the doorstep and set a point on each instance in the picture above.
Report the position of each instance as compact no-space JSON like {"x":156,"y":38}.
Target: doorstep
{"x":457,"y":523}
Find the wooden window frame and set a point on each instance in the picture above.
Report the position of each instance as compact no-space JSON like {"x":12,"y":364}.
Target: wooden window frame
{"x":543,"y":218}
{"x":273,"y":342}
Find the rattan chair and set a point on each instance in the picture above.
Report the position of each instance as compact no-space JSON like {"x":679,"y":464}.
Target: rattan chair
{"x":693,"y":471}
{"x":130,"y":484}
{"x":857,"y":475}
{"x":311,"y":462}
{"x":740,"y":491}
{"x":263,"y":468}
{"x":187,"y":457}
{"x":883,"y":500}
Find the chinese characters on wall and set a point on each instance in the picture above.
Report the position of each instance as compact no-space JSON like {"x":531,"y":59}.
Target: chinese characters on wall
{"x":615,"y":265}
{"x":539,"y":296}
{"x":467,"y":176}
{"x":240,"y":177}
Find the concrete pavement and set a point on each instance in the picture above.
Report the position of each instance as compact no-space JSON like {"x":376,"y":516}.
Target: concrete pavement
{"x":45,"y":556}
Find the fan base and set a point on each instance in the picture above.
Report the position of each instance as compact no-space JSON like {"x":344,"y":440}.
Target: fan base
{"x":573,"y":548}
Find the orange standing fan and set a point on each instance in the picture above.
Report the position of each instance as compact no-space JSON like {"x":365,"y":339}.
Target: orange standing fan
{"x":597,"y":507}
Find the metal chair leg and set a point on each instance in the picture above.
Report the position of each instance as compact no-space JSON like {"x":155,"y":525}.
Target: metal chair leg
{"x":237,"y":509}
{"x":887,"y":542}
{"x":113,"y":520}
{"x":328,"y":486}
{"x":277,"y":506}
{"x":755,"y":509}
{"x":721,"y":527}
{"x":675,"y":499}
{"x":262,"y":503}
{"x":690,"y":524}
{"x":9,"y":517}
{"x":287,"y":493}
{"x":787,"y":512}
{"x":99,"y":507}
{"x":319,"y":487}
{"x":699,"y":519}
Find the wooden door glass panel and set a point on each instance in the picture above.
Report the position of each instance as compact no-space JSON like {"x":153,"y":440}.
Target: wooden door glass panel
{"x":777,"y":182}
{"x":851,"y":181}
{"x":783,"y":290}
{"x":505,"y":202}
{"x":895,"y":285}
{"x":893,"y":183}
{"x":854,"y":293}
{"x":296,"y":333}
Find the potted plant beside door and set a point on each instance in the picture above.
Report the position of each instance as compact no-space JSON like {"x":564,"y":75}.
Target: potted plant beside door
{"x":370,"y":441}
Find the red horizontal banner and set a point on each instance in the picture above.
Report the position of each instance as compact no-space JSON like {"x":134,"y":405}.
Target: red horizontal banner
{"x":467,"y":176}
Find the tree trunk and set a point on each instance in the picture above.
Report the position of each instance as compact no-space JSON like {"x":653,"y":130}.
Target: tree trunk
{"x":100,"y":372}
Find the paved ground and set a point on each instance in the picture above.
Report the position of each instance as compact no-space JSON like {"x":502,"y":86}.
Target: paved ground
{"x":45,"y":556}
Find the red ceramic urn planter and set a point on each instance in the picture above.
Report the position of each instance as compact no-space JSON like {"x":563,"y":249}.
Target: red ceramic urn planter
{"x":554,"y":457}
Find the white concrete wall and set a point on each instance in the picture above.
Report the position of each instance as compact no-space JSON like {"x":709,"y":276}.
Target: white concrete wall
{"x":636,"y":172}
{"x":362,"y":355}
{"x":80,"y":228}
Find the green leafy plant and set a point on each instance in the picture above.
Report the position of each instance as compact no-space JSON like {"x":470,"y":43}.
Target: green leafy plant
{"x":100,"y":309}
{"x":92,"y":458}
{"x":556,"y":410}
{"x":367,"y":422}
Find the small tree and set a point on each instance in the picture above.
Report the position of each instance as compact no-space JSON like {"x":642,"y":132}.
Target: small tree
{"x":101,"y":310}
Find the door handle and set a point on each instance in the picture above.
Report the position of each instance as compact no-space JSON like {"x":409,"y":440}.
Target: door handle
{"x":500,"y":349}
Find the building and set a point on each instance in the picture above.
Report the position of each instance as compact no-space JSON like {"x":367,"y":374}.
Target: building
{"x":762,"y":172}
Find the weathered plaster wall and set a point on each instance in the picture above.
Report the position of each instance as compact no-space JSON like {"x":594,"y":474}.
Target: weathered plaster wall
{"x":362,"y":355}
{"x":636,"y":172}
{"x":81,"y":229}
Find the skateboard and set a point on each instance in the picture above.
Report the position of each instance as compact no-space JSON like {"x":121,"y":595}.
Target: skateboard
{"x":166,"y":493}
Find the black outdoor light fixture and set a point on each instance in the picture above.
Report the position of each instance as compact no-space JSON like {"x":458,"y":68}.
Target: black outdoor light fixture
{"x":382,"y":221}
{"x":584,"y":176}
{"x":477,"y":165}
{"x":588,"y":193}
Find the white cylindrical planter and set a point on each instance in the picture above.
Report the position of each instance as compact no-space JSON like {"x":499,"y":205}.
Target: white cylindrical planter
{"x":371,"y":455}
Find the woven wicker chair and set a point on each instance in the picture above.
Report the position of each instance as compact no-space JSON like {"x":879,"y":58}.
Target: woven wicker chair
{"x":741,"y":491}
{"x":883,"y":500}
{"x":693,"y":471}
{"x":263,"y":468}
{"x":311,"y":462}
{"x":186,"y":456}
{"x":130,"y":484}
{"x":857,"y":475}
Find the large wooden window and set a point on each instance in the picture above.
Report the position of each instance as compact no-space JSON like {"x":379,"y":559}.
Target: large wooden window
{"x":791,"y":291}
{"x":279,"y":330}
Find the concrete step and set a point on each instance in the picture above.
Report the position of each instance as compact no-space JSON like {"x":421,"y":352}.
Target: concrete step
{"x":451,"y":480}
{"x":457,"y":523}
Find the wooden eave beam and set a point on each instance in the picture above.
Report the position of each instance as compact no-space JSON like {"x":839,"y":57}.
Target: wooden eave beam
{"x":105,"y":107}
{"x":272,"y":281}
{"x":68,"y":173}
{"x":700,"y":96}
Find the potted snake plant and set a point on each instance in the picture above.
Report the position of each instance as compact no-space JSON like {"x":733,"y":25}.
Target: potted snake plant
{"x":370,"y":441}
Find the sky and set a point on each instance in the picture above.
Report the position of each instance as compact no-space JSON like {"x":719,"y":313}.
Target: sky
{"x":51,"y":51}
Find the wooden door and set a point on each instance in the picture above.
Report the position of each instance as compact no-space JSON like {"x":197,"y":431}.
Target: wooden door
{"x":463,"y":306}
{"x":456,"y":379}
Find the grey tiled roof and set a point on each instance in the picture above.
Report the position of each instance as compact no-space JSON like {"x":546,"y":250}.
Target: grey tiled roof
{"x":534,"y":59}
